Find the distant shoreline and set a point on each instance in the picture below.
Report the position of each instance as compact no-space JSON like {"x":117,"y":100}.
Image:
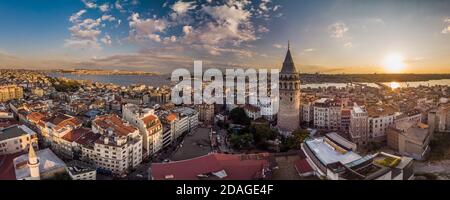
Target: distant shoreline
{"x":306,"y":78}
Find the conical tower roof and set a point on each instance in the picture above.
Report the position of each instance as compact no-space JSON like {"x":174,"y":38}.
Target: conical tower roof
{"x":32,"y":156}
{"x":288,"y":64}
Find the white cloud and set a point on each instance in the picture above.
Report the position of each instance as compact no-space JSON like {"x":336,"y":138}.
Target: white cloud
{"x":76,"y":16}
{"x":89,"y":4}
{"x":181,"y":7}
{"x":263,"y":29}
{"x":108,"y":18}
{"x":338,"y":30}
{"x":118,"y":5}
{"x":310,"y":50}
{"x":348,"y":45}
{"x":104,"y":7}
{"x":106,"y":40}
{"x":187,"y":30}
{"x":446,"y":29}
{"x":279,"y":46}
{"x":146,"y":28}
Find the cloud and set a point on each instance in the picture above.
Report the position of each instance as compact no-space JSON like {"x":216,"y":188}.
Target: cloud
{"x":104,"y":7}
{"x":262,"y":29}
{"x":310,"y":50}
{"x":76,"y":16}
{"x":181,"y":7}
{"x":84,"y":34}
{"x":108,"y":18}
{"x":106,"y":40}
{"x":89,"y":4}
{"x":146,"y":28}
{"x":348,"y":45}
{"x":279,"y":46}
{"x":446,"y":29}
{"x":338,"y":30}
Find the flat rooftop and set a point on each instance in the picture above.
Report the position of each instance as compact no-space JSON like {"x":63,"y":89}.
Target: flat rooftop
{"x":48,"y":161}
{"x":15,"y":131}
{"x":327,"y":154}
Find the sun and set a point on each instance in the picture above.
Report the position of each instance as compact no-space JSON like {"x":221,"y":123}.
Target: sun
{"x":394,"y":63}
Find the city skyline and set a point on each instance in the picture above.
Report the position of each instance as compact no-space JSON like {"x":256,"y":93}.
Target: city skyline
{"x":159,"y":36}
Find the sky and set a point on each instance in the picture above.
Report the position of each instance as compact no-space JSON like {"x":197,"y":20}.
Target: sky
{"x":326,"y":36}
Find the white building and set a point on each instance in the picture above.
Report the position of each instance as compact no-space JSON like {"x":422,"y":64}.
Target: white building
{"x":16,"y":139}
{"x":119,"y":147}
{"x":327,"y":114}
{"x":149,"y":127}
{"x":359,"y":125}
{"x":81,"y":171}
{"x":187,"y":120}
{"x":252,"y":112}
{"x":42,"y":164}
{"x":380,"y":117}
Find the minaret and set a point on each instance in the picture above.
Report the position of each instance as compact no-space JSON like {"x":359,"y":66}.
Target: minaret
{"x":33,"y":164}
{"x":289,"y":113}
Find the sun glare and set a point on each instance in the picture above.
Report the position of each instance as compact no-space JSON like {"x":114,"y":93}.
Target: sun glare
{"x":394,"y":63}
{"x":394,"y":85}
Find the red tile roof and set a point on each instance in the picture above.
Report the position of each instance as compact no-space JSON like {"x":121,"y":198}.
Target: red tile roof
{"x":171,"y":117}
{"x":7,"y":171}
{"x":75,"y":134}
{"x":114,"y":122}
{"x":237,"y":167}
{"x":302,"y":166}
{"x":7,"y":123}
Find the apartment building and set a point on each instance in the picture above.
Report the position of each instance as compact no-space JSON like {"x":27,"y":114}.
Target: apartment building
{"x":149,"y":127}
{"x":17,"y":138}
{"x":410,"y":139}
{"x":327,"y":113}
{"x":10,"y":92}
{"x":119,"y":147}
{"x":359,"y":125}
{"x":380,"y":117}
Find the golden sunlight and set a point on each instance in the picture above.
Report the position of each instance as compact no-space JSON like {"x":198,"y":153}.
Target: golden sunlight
{"x":394,"y":63}
{"x":394,"y":85}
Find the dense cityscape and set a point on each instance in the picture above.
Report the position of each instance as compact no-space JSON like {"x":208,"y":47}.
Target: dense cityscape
{"x":63,"y":129}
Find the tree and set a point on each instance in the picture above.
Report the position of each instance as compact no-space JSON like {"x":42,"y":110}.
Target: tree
{"x":295,"y":141}
{"x":262,"y":133}
{"x":241,"y":141}
{"x":238,"y":116}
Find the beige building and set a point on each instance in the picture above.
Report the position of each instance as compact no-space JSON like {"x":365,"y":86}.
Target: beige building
{"x":206,"y":113}
{"x":439,"y":119}
{"x":359,"y":125}
{"x":118,"y":149}
{"x":409,"y":139}
{"x":10,"y":92}
{"x":380,"y":117}
{"x":149,"y":127}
